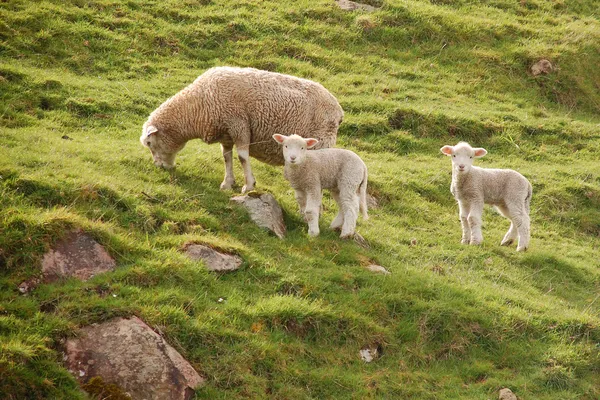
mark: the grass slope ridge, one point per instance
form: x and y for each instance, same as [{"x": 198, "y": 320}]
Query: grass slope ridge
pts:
[{"x": 77, "y": 80}]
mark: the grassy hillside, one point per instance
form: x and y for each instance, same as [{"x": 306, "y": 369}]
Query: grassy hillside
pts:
[{"x": 78, "y": 79}]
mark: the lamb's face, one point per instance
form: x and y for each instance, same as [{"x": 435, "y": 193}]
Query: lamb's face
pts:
[
  {"x": 163, "y": 156},
  {"x": 294, "y": 147},
  {"x": 462, "y": 156}
]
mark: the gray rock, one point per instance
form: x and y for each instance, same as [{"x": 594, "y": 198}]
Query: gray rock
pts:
[
  {"x": 129, "y": 354},
  {"x": 370, "y": 352},
  {"x": 77, "y": 255},
  {"x": 542, "y": 67},
  {"x": 506, "y": 394},
  {"x": 348, "y": 5},
  {"x": 378, "y": 269},
  {"x": 214, "y": 260},
  {"x": 264, "y": 211}
]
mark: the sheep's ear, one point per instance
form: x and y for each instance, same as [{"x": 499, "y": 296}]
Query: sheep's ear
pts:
[
  {"x": 150, "y": 129},
  {"x": 447, "y": 150},
  {"x": 279, "y": 138},
  {"x": 310, "y": 143},
  {"x": 480, "y": 152}
]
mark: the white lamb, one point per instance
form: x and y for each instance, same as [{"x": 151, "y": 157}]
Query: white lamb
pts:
[
  {"x": 242, "y": 107},
  {"x": 507, "y": 190},
  {"x": 309, "y": 172}
]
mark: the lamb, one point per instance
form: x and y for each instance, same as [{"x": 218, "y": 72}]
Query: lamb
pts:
[
  {"x": 242, "y": 107},
  {"x": 506, "y": 189},
  {"x": 339, "y": 170}
]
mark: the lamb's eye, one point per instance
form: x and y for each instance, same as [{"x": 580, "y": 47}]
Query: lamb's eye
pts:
[
  {"x": 286, "y": 146},
  {"x": 302, "y": 148},
  {"x": 454, "y": 155},
  {"x": 471, "y": 157}
]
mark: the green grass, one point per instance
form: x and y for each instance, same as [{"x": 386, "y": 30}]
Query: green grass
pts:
[{"x": 78, "y": 79}]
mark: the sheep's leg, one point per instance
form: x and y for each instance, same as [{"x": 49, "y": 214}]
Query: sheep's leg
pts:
[
  {"x": 244, "y": 157},
  {"x": 229, "y": 180},
  {"x": 474, "y": 220},
  {"x": 311, "y": 213},
  {"x": 464, "y": 223},
  {"x": 339, "y": 219},
  {"x": 301, "y": 199},
  {"x": 349, "y": 206},
  {"x": 519, "y": 225}
]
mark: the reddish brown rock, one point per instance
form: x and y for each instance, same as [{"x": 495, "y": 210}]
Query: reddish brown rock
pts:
[
  {"x": 213, "y": 260},
  {"x": 127, "y": 353},
  {"x": 264, "y": 211},
  {"x": 77, "y": 255}
]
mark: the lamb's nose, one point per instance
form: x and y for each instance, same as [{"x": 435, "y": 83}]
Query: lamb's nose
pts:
[
  {"x": 461, "y": 166},
  {"x": 292, "y": 158}
]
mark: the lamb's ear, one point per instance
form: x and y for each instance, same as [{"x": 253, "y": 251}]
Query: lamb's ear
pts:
[
  {"x": 480, "y": 152},
  {"x": 310, "y": 143},
  {"x": 150, "y": 129},
  {"x": 447, "y": 150},
  {"x": 279, "y": 138}
]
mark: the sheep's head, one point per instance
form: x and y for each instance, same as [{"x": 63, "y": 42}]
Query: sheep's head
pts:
[
  {"x": 162, "y": 152},
  {"x": 294, "y": 147},
  {"x": 462, "y": 155}
]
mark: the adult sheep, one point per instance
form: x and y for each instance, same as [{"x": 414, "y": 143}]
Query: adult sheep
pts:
[{"x": 244, "y": 107}]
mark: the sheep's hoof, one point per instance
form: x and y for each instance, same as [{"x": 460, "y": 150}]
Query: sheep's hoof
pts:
[
  {"x": 347, "y": 235},
  {"x": 465, "y": 241},
  {"x": 475, "y": 242},
  {"x": 507, "y": 242},
  {"x": 521, "y": 248},
  {"x": 313, "y": 233},
  {"x": 226, "y": 185},
  {"x": 247, "y": 188},
  {"x": 335, "y": 227}
]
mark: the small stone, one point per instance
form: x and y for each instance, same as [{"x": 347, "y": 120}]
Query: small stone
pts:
[
  {"x": 264, "y": 211},
  {"x": 214, "y": 260},
  {"x": 77, "y": 255},
  {"x": 370, "y": 352},
  {"x": 542, "y": 67},
  {"x": 413, "y": 242},
  {"x": 348, "y": 5},
  {"x": 506, "y": 394},
  {"x": 378, "y": 269}
]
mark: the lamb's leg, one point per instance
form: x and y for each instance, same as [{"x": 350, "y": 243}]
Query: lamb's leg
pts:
[
  {"x": 244, "y": 157},
  {"x": 524, "y": 233},
  {"x": 464, "y": 223},
  {"x": 311, "y": 214},
  {"x": 474, "y": 220},
  {"x": 301, "y": 199},
  {"x": 349, "y": 206},
  {"x": 512, "y": 233},
  {"x": 229, "y": 180},
  {"x": 339, "y": 219}
]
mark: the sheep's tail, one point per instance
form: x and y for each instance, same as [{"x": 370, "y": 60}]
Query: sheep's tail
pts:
[
  {"x": 528, "y": 198},
  {"x": 363, "y": 195}
]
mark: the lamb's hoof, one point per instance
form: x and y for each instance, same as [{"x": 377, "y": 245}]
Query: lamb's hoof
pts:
[
  {"x": 335, "y": 227},
  {"x": 507, "y": 242},
  {"x": 347, "y": 235},
  {"x": 465, "y": 241},
  {"x": 313, "y": 233},
  {"x": 521, "y": 248},
  {"x": 475, "y": 242},
  {"x": 226, "y": 185}
]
